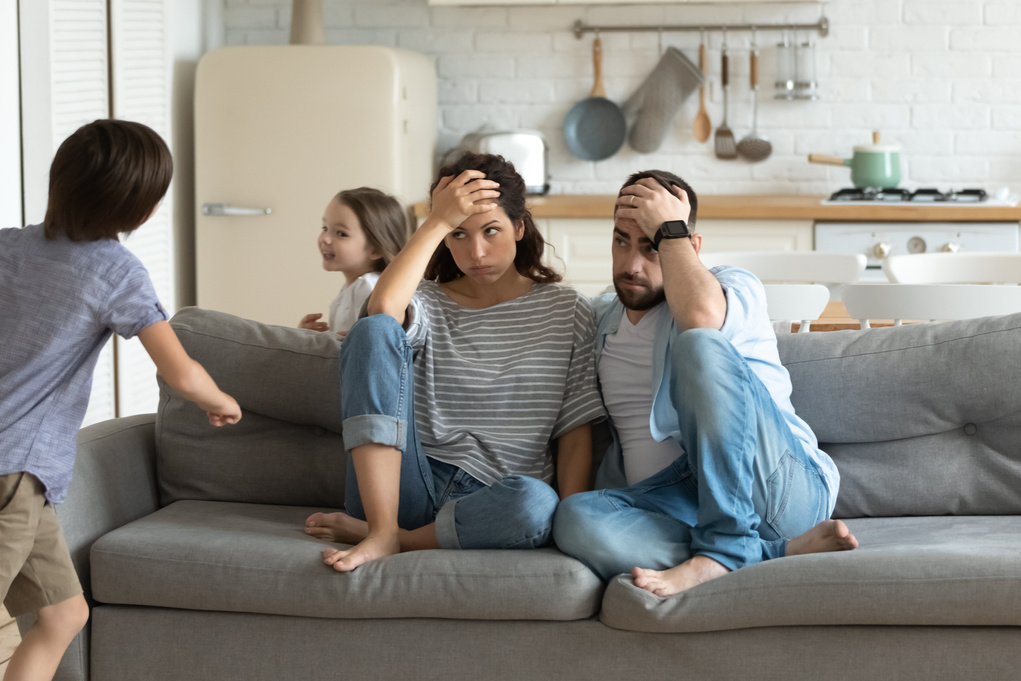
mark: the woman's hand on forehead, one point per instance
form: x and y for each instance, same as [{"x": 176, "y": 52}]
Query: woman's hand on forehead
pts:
[{"x": 457, "y": 198}]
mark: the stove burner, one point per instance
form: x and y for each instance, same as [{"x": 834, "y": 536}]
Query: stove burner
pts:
[
  {"x": 968, "y": 196},
  {"x": 923, "y": 195},
  {"x": 928, "y": 195}
]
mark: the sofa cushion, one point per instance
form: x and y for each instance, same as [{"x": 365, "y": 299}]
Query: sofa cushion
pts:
[
  {"x": 920, "y": 419},
  {"x": 932, "y": 571},
  {"x": 201, "y": 555},
  {"x": 287, "y": 448}
]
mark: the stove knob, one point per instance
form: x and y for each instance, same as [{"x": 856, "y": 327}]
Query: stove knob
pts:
[
  {"x": 950, "y": 247},
  {"x": 881, "y": 250}
]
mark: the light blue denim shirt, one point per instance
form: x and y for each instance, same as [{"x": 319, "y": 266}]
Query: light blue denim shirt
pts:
[
  {"x": 748, "y": 328},
  {"x": 59, "y": 303}
]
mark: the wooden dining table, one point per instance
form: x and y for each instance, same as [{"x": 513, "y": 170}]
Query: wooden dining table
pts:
[{"x": 835, "y": 318}]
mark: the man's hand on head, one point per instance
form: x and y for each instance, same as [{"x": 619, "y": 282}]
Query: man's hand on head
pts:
[{"x": 650, "y": 204}]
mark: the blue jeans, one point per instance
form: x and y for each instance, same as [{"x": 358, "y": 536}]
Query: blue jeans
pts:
[
  {"x": 377, "y": 404},
  {"x": 743, "y": 486}
]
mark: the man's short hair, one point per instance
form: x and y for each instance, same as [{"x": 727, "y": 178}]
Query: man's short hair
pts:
[
  {"x": 667, "y": 179},
  {"x": 106, "y": 178}
]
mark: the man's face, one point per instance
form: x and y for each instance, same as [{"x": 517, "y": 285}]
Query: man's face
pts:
[{"x": 637, "y": 275}]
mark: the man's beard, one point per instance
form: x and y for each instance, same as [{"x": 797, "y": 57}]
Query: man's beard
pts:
[{"x": 638, "y": 301}]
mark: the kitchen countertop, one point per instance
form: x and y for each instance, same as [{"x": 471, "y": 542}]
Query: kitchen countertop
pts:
[{"x": 768, "y": 207}]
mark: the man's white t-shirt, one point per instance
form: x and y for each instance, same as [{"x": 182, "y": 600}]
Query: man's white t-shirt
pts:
[
  {"x": 626, "y": 365},
  {"x": 346, "y": 307}
]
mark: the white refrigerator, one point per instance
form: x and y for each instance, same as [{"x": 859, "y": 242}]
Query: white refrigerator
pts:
[{"x": 278, "y": 132}]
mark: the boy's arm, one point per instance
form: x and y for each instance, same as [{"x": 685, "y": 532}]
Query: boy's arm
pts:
[
  {"x": 574, "y": 460},
  {"x": 187, "y": 376}
]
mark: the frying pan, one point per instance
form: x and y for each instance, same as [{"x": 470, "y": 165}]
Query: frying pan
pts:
[{"x": 595, "y": 127}]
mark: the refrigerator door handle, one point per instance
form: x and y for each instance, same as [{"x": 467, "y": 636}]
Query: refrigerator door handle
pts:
[{"x": 223, "y": 209}]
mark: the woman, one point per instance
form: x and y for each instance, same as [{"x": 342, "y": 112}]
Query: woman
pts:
[{"x": 454, "y": 387}]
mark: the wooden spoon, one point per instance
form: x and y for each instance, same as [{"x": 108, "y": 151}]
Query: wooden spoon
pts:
[{"x": 702, "y": 127}]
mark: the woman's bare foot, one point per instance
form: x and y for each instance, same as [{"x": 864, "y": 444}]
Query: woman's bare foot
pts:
[
  {"x": 829, "y": 535},
  {"x": 372, "y": 547},
  {"x": 691, "y": 572},
  {"x": 338, "y": 527}
]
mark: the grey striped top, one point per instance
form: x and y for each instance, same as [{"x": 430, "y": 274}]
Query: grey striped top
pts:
[{"x": 494, "y": 386}]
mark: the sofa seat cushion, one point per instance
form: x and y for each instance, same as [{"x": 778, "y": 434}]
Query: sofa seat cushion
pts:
[
  {"x": 204, "y": 555},
  {"x": 929, "y": 571}
]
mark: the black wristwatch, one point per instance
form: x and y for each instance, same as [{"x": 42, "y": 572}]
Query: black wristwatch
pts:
[{"x": 671, "y": 229}]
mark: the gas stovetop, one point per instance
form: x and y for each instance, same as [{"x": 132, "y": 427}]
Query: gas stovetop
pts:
[{"x": 926, "y": 196}]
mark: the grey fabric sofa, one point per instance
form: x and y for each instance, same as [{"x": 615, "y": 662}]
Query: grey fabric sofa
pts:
[{"x": 189, "y": 539}]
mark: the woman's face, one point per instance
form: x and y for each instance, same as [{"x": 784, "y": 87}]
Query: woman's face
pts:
[{"x": 484, "y": 245}]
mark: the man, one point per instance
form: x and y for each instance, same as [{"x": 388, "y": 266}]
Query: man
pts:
[{"x": 722, "y": 473}]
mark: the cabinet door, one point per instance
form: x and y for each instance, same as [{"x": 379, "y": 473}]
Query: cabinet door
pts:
[
  {"x": 581, "y": 252},
  {"x": 755, "y": 235}
]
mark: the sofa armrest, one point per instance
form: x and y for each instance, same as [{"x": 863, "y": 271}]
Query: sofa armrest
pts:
[{"x": 114, "y": 483}]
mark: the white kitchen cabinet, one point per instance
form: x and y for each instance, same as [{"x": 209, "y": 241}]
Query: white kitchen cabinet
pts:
[
  {"x": 756, "y": 235},
  {"x": 581, "y": 248},
  {"x": 495, "y": 3}
]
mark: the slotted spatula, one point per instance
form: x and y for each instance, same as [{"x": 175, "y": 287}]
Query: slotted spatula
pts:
[{"x": 724, "y": 140}]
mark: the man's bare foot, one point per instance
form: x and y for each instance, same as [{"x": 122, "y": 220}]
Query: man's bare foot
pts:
[
  {"x": 338, "y": 527},
  {"x": 829, "y": 535},
  {"x": 372, "y": 547},
  {"x": 691, "y": 572}
]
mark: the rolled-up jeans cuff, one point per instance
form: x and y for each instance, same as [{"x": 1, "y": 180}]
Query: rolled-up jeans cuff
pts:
[
  {"x": 375, "y": 428},
  {"x": 446, "y": 530}
]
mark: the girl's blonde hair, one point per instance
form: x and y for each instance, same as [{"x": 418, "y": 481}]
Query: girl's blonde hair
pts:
[{"x": 382, "y": 218}]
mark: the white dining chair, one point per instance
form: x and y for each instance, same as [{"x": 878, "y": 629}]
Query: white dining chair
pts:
[
  {"x": 932, "y": 302},
  {"x": 803, "y": 303},
  {"x": 794, "y": 274},
  {"x": 793, "y": 267},
  {"x": 954, "y": 268}
]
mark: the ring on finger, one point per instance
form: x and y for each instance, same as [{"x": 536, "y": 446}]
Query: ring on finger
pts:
[{"x": 632, "y": 200}]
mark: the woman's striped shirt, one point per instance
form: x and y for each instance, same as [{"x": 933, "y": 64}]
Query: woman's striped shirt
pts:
[{"x": 494, "y": 386}]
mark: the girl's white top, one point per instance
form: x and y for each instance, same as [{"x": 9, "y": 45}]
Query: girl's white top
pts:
[{"x": 349, "y": 302}]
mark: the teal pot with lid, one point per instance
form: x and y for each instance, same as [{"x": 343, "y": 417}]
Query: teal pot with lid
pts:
[{"x": 872, "y": 165}]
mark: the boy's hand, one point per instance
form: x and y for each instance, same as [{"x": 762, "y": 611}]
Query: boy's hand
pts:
[
  {"x": 226, "y": 413},
  {"x": 309, "y": 322}
]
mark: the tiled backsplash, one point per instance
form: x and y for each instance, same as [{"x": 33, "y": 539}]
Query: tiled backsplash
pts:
[{"x": 942, "y": 78}]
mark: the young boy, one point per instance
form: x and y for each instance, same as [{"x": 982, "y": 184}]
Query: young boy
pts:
[{"x": 65, "y": 286}]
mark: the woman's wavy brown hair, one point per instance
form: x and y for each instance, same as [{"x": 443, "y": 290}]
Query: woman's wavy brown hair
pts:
[{"x": 528, "y": 259}]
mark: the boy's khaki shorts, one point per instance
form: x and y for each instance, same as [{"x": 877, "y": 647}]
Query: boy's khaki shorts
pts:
[{"x": 35, "y": 564}]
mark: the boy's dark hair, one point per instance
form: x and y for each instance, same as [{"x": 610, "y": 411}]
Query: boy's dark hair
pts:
[
  {"x": 528, "y": 259},
  {"x": 382, "y": 219},
  {"x": 666, "y": 179},
  {"x": 106, "y": 178}
]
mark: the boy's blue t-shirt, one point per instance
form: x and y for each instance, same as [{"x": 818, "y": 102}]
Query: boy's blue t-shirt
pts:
[{"x": 59, "y": 302}]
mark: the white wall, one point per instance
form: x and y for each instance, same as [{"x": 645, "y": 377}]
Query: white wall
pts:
[
  {"x": 941, "y": 77},
  {"x": 196, "y": 26}
]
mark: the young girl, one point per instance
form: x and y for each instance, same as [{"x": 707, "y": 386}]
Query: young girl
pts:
[
  {"x": 455, "y": 387},
  {"x": 363, "y": 229},
  {"x": 65, "y": 286}
]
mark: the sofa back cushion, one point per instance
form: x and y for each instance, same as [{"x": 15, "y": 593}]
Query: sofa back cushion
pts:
[
  {"x": 922, "y": 419},
  {"x": 287, "y": 448}
]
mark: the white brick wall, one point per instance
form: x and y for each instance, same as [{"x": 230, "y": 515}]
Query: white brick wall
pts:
[{"x": 943, "y": 78}]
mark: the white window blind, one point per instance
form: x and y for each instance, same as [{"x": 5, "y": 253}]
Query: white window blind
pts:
[
  {"x": 64, "y": 84},
  {"x": 140, "y": 59},
  {"x": 10, "y": 118},
  {"x": 78, "y": 56}
]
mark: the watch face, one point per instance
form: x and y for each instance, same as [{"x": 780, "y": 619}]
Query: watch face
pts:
[{"x": 675, "y": 228}]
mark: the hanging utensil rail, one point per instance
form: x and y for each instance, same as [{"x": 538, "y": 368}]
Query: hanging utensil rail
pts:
[{"x": 822, "y": 26}]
